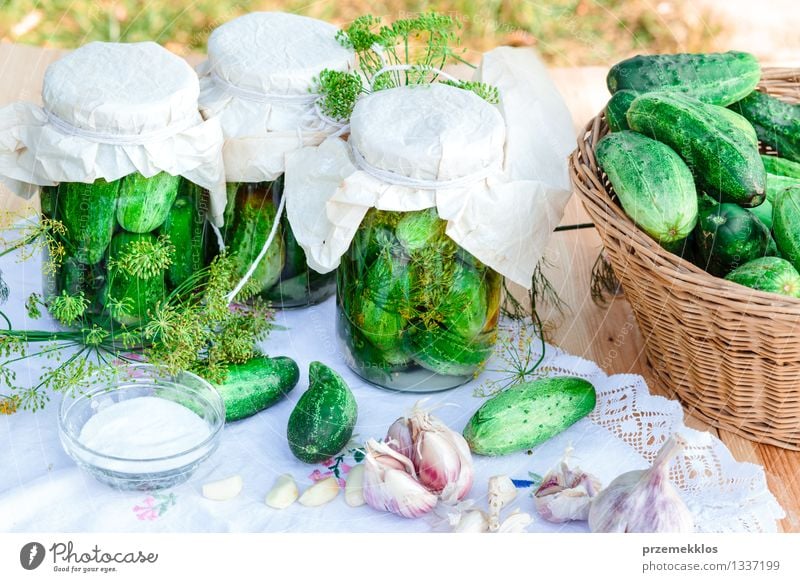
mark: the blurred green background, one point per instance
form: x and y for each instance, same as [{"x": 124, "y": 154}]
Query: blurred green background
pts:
[{"x": 566, "y": 32}]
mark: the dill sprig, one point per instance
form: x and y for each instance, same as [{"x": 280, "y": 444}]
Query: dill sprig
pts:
[
  {"x": 426, "y": 43},
  {"x": 144, "y": 258},
  {"x": 604, "y": 282}
]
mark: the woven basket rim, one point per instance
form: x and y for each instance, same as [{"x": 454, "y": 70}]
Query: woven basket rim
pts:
[{"x": 598, "y": 195}]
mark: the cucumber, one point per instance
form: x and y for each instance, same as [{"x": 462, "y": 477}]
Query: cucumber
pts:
[
  {"x": 653, "y": 184},
  {"x": 739, "y": 122},
  {"x": 87, "y": 212},
  {"x": 323, "y": 420},
  {"x": 771, "y": 274},
  {"x": 617, "y": 108},
  {"x": 448, "y": 353},
  {"x": 728, "y": 236},
  {"x": 256, "y": 385},
  {"x": 144, "y": 203},
  {"x": 764, "y": 213},
  {"x": 185, "y": 226},
  {"x": 724, "y": 160},
  {"x": 777, "y": 122},
  {"x": 776, "y": 184},
  {"x": 416, "y": 230},
  {"x": 250, "y": 231},
  {"x": 378, "y": 310},
  {"x": 526, "y": 415},
  {"x": 464, "y": 308},
  {"x": 716, "y": 78},
  {"x": 139, "y": 295},
  {"x": 781, "y": 167},
  {"x": 786, "y": 224}
]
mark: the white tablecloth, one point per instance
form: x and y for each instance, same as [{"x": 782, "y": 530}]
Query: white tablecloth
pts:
[{"x": 41, "y": 488}]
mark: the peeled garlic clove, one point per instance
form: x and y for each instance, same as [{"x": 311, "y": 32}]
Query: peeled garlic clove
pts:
[
  {"x": 502, "y": 491},
  {"x": 515, "y": 523},
  {"x": 283, "y": 493},
  {"x": 223, "y": 489},
  {"x": 354, "y": 488},
  {"x": 320, "y": 493},
  {"x": 390, "y": 483},
  {"x": 399, "y": 437},
  {"x": 566, "y": 494},
  {"x": 473, "y": 521},
  {"x": 643, "y": 501}
]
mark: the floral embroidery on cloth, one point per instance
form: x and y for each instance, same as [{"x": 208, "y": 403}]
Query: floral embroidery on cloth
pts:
[
  {"x": 337, "y": 466},
  {"x": 154, "y": 506}
]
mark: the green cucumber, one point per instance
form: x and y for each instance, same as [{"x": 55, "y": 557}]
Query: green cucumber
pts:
[
  {"x": 130, "y": 299},
  {"x": 416, "y": 230},
  {"x": 728, "y": 236},
  {"x": 653, "y": 184},
  {"x": 770, "y": 274},
  {"x": 323, "y": 420},
  {"x": 781, "y": 167},
  {"x": 776, "y": 184},
  {"x": 256, "y": 385},
  {"x": 87, "y": 212},
  {"x": 448, "y": 353},
  {"x": 76, "y": 277},
  {"x": 185, "y": 226},
  {"x": 724, "y": 160},
  {"x": 251, "y": 229},
  {"x": 617, "y": 108},
  {"x": 739, "y": 122},
  {"x": 528, "y": 414},
  {"x": 464, "y": 308},
  {"x": 716, "y": 78},
  {"x": 786, "y": 224},
  {"x": 144, "y": 203},
  {"x": 764, "y": 213},
  {"x": 777, "y": 122},
  {"x": 378, "y": 310}
]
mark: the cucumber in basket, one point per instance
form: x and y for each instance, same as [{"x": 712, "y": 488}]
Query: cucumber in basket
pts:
[
  {"x": 777, "y": 122},
  {"x": 786, "y": 224},
  {"x": 256, "y": 384},
  {"x": 771, "y": 274},
  {"x": 781, "y": 167},
  {"x": 716, "y": 78},
  {"x": 617, "y": 108},
  {"x": 528, "y": 414},
  {"x": 323, "y": 420},
  {"x": 721, "y": 154},
  {"x": 653, "y": 184},
  {"x": 728, "y": 236}
]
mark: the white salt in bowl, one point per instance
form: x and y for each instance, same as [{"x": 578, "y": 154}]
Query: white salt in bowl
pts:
[{"x": 140, "y": 428}]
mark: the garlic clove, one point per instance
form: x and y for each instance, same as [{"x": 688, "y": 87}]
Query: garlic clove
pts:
[
  {"x": 516, "y": 522},
  {"x": 283, "y": 493},
  {"x": 438, "y": 462},
  {"x": 320, "y": 493},
  {"x": 354, "y": 488},
  {"x": 566, "y": 494},
  {"x": 643, "y": 501},
  {"x": 473, "y": 521},
  {"x": 502, "y": 491},
  {"x": 399, "y": 437},
  {"x": 390, "y": 483},
  {"x": 224, "y": 489}
]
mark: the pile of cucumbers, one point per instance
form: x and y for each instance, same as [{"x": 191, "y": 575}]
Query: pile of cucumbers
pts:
[{"x": 685, "y": 159}]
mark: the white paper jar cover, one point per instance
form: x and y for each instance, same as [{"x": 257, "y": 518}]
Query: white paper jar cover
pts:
[
  {"x": 257, "y": 80},
  {"x": 110, "y": 110},
  {"x": 417, "y": 147}
]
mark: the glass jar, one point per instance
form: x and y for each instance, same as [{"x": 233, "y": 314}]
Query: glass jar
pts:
[
  {"x": 127, "y": 245},
  {"x": 283, "y": 276},
  {"x": 415, "y": 312}
]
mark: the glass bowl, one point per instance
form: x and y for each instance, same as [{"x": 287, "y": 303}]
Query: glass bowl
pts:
[{"x": 140, "y": 470}]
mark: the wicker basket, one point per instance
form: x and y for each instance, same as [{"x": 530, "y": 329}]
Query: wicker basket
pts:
[{"x": 729, "y": 353}]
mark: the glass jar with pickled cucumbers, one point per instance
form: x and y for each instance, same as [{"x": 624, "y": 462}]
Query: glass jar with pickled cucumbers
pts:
[
  {"x": 127, "y": 245},
  {"x": 282, "y": 277},
  {"x": 415, "y": 312}
]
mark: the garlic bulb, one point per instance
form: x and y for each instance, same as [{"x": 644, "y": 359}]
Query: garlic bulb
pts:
[
  {"x": 566, "y": 494},
  {"x": 390, "y": 483},
  {"x": 643, "y": 501},
  {"x": 441, "y": 456}
]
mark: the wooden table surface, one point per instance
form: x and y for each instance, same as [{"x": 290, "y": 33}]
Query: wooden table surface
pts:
[{"x": 607, "y": 335}]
